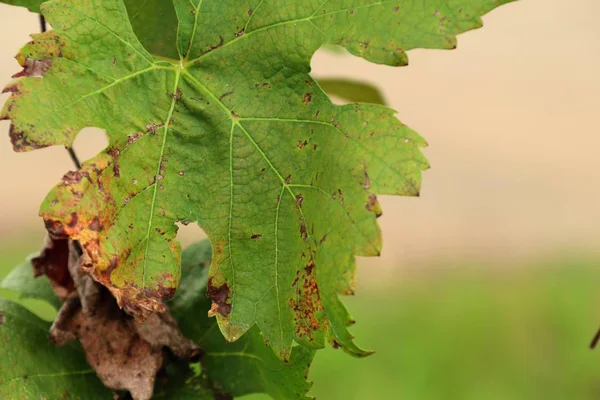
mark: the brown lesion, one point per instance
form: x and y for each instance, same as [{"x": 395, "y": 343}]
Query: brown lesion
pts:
[
  {"x": 220, "y": 296},
  {"x": 83, "y": 209},
  {"x": 373, "y": 206},
  {"x": 307, "y": 304}
]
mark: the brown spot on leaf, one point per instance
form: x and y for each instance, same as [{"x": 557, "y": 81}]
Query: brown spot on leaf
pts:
[
  {"x": 153, "y": 127},
  {"x": 74, "y": 220},
  {"x": 220, "y": 297},
  {"x": 11, "y": 88},
  {"x": 256, "y": 236},
  {"x": 214, "y": 47},
  {"x": 307, "y": 98},
  {"x": 367, "y": 182},
  {"x": 177, "y": 95},
  {"x": 299, "y": 200},
  {"x": 226, "y": 94},
  {"x": 73, "y": 177},
  {"x": 307, "y": 302},
  {"x": 1, "y": 317},
  {"x": 303, "y": 231},
  {"x": 301, "y": 144},
  {"x": 308, "y": 268},
  {"x": 373, "y": 206},
  {"x": 95, "y": 225},
  {"x": 34, "y": 68},
  {"x": 114, "y": 153},
  {"x": 20, "y": 142},
  {"x": 338, "y": 195},
  {"x": 134, "y": 137}
]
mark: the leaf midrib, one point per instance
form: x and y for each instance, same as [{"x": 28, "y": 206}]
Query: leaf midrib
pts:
[{"x": 156, "y": 185}]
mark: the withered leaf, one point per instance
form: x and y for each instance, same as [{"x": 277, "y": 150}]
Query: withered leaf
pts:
[{"x": 126, "y": 353}]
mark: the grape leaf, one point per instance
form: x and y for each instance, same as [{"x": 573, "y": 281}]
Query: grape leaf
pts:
[
  {"x": 22, "y": 281},
  {"x": 182, "y": 384},
  {"x": 236, "y": 136},
  {"x": 145, "y": 16},
  {"x": 31, "y": 5},
  {"x": 31, "y": 367},
  {"x": 240, "y": 368}
]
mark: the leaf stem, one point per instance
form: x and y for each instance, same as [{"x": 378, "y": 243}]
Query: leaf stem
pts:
[{"x": 43, "y": 27}]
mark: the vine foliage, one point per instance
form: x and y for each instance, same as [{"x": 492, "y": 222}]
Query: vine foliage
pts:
[{"x": 213, "y": 118}]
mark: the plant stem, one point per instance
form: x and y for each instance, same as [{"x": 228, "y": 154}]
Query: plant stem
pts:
[{"x": 42, "y": 23}]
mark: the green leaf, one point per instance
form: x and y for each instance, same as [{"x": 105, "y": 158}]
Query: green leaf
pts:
[
  {"x": 31, "y": 367},
  {"x": 31, "y": 5},
  {"x": 153, "y": 21},
  {"x": 240, "y": 368},
  {"x": 155, "y": 24},
  {"x": 236, "y": 136},
  {"x": 353, "y": 91},
  {"x": 190, "y": 388},
  {"x": 22, "y": 281}
]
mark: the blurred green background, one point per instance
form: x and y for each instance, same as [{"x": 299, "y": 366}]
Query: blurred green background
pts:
[
  {"x": 487, "y": 284},
  {"x": 461, "y": 333}
]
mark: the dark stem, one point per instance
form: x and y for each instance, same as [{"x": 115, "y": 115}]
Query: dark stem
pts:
[
  {"x": 74, "y": 157},
  {"x": 42, "y": 23}
]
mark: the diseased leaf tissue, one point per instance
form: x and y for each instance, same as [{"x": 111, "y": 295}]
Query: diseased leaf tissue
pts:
[{"x": 231, "y": 133}]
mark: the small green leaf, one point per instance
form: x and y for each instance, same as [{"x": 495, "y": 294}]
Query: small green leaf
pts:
[
  {"x": 352, "y": 91},
  {"x": 31, "y": 367},
  {"x": 155, "y": 24},
  {"x": 246, "y": 366},
  {"x": 22, "y": 281},
  {"x": 31, "y": 5},
  {"x": 186, "y": 382}
]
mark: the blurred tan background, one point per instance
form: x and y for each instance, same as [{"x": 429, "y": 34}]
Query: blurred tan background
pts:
[
  {"x": 510, "y": 116},
  {"x": 487, "y": 285}
]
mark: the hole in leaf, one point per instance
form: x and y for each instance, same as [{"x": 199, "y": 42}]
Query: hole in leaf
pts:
[
  {"x": 189, "y": 234},
  {"x": 89, "y": 142}
]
